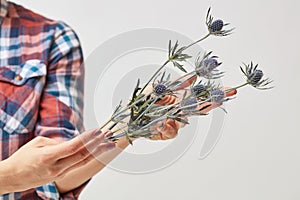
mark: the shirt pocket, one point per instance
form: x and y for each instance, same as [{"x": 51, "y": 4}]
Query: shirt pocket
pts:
[{"x": 21, "y": 87}]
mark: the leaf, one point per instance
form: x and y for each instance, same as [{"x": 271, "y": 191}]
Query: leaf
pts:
[
  {"x": 170, "y": 47},
  {"x": 207, "y": 15},
  {"x": 128, "y": 138},
  {"x": 168, "y": 77},
  {"x": 163, "y": 76},
  {"x": 184, "y": 94},
  {"x": 243, "y": 71},
  {"x": 177, "y": 112},
  {"x": 179, "y": 66},
  {"x": 121, "y": 117},
  {"x": 140, "y": 96},
  {"x": 175, "y": 47},
  {"x": 255, "y": 67},
  {"x": 117, "y": 108},
  {"x": 180, "y": 50},
  {"x": 199, "y": 114},
  {"x": 204, "y": 107},
  {"x": 136, "y": 89},
  {"x": 132, "y": 117},
  {"x": 181, "y": 120}
]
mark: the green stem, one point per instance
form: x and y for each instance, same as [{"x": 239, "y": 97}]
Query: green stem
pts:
[
  {"x": 119, "y": 129},
  {"x": 237, "y": 87},
  {"x": 154, "y": 76},
  {"x": 105, "y": 124},
  {"x": 170, "y": 59},
  {"x": 206, "y": 36}
]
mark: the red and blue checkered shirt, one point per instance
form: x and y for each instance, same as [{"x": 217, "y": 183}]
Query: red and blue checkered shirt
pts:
[{"x": 41, "y": 86}]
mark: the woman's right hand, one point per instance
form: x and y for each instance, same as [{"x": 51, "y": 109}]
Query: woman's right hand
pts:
[{"x": 42, "y": 160}]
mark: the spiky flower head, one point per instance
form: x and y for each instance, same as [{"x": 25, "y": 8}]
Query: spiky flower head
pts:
[
  {"x": 161, "y": 83},
  {"x": 217, "y": 96},
  {"x": 216, "y": 27},
  {"x": 211, "y": 63},
  {"x": 255, "y": 76},
  {"x": 160, "y": 89},
  {"x": 198, "y": 89},
  {"x": 207, "y": 66}
]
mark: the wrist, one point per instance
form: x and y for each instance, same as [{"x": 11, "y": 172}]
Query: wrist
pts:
[
  {"x": 122, "y": 143},
  {"x": 6, "y": 174}
]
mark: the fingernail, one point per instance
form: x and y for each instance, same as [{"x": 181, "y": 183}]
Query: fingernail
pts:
[
  {"x": 108, "y": 134},
  {"x": 97, "y": 132}
]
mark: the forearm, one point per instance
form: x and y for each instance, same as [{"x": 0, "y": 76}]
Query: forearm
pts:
[
  {"x": 80, "y": 175},
  {"x": 6, "y": 178}
]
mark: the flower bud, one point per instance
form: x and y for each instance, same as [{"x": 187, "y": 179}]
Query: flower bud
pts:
[
  {"x": 216, "y": 26},
  {"x": 255, "y": 77},
  {"x": 160, "y": 89},
  {"x": 217, "y": 96},
  {"x": 198, "y": 89}
]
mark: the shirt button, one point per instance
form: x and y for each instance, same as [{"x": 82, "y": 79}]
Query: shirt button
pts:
[{"x": 18, "y": 77}]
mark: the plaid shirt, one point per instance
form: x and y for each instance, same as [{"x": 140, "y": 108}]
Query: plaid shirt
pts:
[{"x": 41, "y": 86}]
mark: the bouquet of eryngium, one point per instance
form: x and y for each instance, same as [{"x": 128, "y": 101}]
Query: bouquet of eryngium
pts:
[{"x": 192, "y": 91}]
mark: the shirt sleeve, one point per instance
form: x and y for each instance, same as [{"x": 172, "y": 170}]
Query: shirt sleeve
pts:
[{"x": 61, "y": 104}]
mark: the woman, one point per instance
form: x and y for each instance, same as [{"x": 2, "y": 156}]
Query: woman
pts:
[{"x": 42, "y": 153}]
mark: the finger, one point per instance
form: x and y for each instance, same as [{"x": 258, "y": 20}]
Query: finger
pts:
[
  {"x": 186, "y": 82},
  {"x": 84, "y": 151},
  {"x": 167, "y": 100},
  {"x": 230, "y": 92},
  {"x": 156, "y": 136},
  {"x": 155, "y": 131},
  {"x": 70, "y": 147},
  {"x": 207, "y": 107},
  {"x": 169, "y": 129},
  {"x": 100, "y": 149}
]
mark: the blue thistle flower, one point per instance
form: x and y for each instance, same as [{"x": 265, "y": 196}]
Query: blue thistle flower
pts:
[
  {"x": 211, "y": 63},
  {"x": 216, "y": 26},
  {"x": 207, "y": 67},
  {"x": 160, "y": 89},
  {"x": 198, "y": 89},
  {"x": 255, "y": 77},
  {"x": 217, "y": 95}
]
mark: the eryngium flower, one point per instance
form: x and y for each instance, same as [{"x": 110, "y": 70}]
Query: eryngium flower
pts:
[
  {"x": 255, "y": 76},
  {"x": 216, "y": 26},
  {"x": 211, "y": 63},
  {"x": 207, "y": 67},
  {"x": 160, "y": 89},
  {"x": 198, "y": 89},
  {"x": 217, "y": 96}
]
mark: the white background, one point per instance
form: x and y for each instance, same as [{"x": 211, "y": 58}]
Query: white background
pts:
[{"x": 258, "y": 156}]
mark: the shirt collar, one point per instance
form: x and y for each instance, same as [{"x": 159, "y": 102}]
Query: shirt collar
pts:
[{"x": 3, "y": 9}]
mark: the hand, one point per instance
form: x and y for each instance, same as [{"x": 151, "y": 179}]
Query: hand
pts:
[
  {"x": 169, "y": 129},
  {"x": 42, "y": 160}
]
